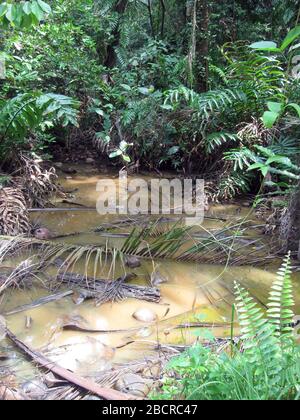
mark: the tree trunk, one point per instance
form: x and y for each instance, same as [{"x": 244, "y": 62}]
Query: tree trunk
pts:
[
  {"x": 199, "y": 48},
  {"x": 202, "y": 49},
  {"x": 111, "y": 56},
  {"x": 163, "y": 18},
  {"x": 290, "y": 224}
]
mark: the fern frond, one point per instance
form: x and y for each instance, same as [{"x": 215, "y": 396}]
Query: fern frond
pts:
[
  {"x": 27, "y": 112},
  {"x": 259, "y": 341},
  {"x": 206, "y": 103},
  {"x": 242, "y": 158},
  {"x": 281, "y": 301},
  {"x": 215, "y": 140}
]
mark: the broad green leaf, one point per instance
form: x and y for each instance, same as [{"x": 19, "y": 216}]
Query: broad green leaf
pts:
[
  {"x": 44, "y": 6},
  {"x": 265, "y": 170},
  {"x": 126, "y": 87},
  {"x": 37, "y": 11},
  {"x": 279, "y": 159},
  {"x": 3, "y": 9},
  {"x": 99, "y": 112},
  {"x": 275, "y": 107},
  {"x": 126, "y": 158},
  {"x": 270, "y": 118},
  {"x": 10, "y": 14},
  {"x": 27, "y": 8},
  {"x": 18, "y": 14},
  {"x": 265, "y": 46},
  {"x": 116, "y": 153},
  {"x": 256, "y": 166},
  {"x": 290, "y": 38}
]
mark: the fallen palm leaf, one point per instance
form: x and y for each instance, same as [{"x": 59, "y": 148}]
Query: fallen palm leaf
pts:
[
  {"x": 14, "y": 218},
  {"x": 19, "y": 276},
  {"x": 108, "y": 291}
]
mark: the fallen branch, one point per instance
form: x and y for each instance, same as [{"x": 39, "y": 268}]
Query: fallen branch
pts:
[
  {"x": 90, "y": 386},
  {"x": 107, "y": 291}
]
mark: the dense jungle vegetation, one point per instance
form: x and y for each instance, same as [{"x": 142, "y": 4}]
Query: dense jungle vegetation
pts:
[
  {"x": 157, "y": 85},
  {"x": 201, "y": 88}
]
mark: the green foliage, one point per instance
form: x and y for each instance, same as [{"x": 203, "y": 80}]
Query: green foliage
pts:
[
  {"x": 273, "y": 47},
  {"x": 23, "y": 14},
  {"x": 28, "y": 112},
  {"x": 142, "y": 109},
  {"x": 59, "y": 56},
  {"x": 280, "y": 303},
  {"x": 4, "y": 179},
  {"x": 267, "y": 366}
]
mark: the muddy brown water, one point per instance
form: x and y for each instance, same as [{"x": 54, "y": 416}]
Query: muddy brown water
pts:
[{"x": 193, "y": 293}]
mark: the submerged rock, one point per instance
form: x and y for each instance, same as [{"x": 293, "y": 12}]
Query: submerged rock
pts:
[
  {"x": 145, "y": 315},
  {"x": 133, "y": 262},
  {"x": 69, "y": 171},
  {"x": 42, "y": 234},
  {"x": 134, "y": 384}
]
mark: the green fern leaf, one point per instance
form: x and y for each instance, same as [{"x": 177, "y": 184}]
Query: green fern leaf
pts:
[{"x": 281, "y": 301}]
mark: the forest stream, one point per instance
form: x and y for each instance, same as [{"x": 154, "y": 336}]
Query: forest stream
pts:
[{"x": 191, "y": 294}]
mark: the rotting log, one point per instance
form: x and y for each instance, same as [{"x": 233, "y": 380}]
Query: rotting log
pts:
[
  {"x": 73, "y": 378},
  {"x": 107, "y": 291}
]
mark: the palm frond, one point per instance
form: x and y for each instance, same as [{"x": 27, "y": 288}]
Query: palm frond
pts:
[
  {"x": 14, "y": 218},
  {"x": 215, "y": 140}
]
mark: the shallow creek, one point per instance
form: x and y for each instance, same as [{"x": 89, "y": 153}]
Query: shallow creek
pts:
[{"x": 193, "y": 293}]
